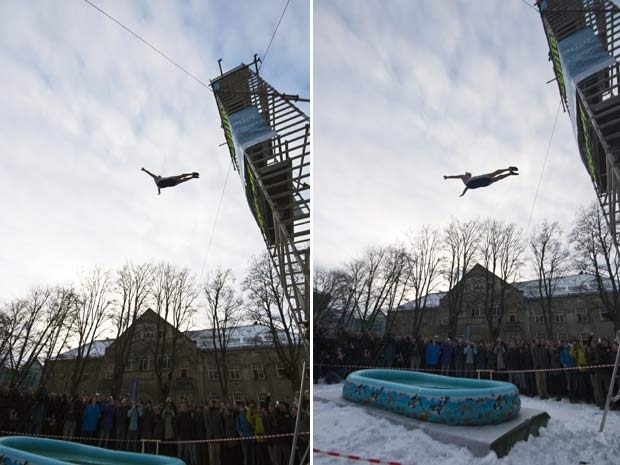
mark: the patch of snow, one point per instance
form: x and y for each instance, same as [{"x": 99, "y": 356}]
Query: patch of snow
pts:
[{"x": 570, "y": 438}]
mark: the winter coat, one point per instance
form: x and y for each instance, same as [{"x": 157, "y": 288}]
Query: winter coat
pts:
[
  {"x": 446, "y": 353},
  {"x": 470, "y": 352},
  {"x": 566, "y": 359},
  {"x": 108, "y": 414},
  {"x": 432, "y": 354},
  {"x": 90, "y": 417},
  {"x": 214, "y": 423},
  {"x": 243, "y": 426}
]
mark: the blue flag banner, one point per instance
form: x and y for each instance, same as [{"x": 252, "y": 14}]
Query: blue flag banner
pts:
[
  {"x": 248, "y": 128},
  {"x": 134, "y": 389},
  {"x": 582, "y": 54}
]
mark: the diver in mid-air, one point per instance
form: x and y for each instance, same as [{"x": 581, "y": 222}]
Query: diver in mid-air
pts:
[
  {"x": 484, "y": 180},
  {"x": 170, "y": 181}
]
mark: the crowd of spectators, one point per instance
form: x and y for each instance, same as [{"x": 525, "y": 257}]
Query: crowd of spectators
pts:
[
  {"x": 123, "y": 424},
  {"x": 577, "y": 370}
]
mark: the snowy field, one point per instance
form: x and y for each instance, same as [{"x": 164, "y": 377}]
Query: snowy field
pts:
[{"x": 570, "y": 438}]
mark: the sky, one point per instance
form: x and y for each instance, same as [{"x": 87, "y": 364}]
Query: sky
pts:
[
  {"x": 84, "y": 105},
  {"x": 406, "y": 92}
]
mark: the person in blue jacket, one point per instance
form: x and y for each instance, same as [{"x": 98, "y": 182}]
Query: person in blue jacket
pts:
[
  {"x": 432, "y": 354},
  {"x": 90, "y": 418},
  {"x": 568, "y": 361},
  {"x": 245, "y": 430}
]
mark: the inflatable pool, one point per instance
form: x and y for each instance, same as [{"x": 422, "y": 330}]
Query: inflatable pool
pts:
[
  {"x": 434, "y": 398},
  {"x": 24, "y": 450}
]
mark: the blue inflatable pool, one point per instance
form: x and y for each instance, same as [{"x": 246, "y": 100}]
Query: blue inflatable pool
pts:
[
  {"x": 24, "y": 450},
  {"x": 434, "y": 398}
]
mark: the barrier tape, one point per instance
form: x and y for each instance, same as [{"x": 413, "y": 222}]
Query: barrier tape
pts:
[
  {"x": 160, "y": 441},
  {"x": 583, "y": 368},
  {"x": 353, "y": 457}
]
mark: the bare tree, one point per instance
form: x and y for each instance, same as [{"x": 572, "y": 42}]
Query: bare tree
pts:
[
  {"x": 594, "y": 253},
  {"x": 501, "y": 248},
  {"x": 425, "y": 261},
  {"x": 460, "y": 247},
  {"x": 174, "y": 296},
  {"x": 269, "y": 307},
  {"x": 57, "y": 323},
  {"x": 93, "y": 301},
  {"x": 550, "y": 260},
  {"x": 132, "y": 289},
  {"x": 375, "y": 281},
  {"x": 223, "y": 315}
]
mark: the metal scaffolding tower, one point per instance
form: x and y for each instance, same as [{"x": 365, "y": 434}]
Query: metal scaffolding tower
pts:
[
  {"x": 269, "y": 142},
  {"x": 584, "y": 45}
]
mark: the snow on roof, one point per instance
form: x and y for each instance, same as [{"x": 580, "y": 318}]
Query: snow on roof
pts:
[
  {"x": 241, "y": 336},
  {"x": 565, "y": 285},
  {"x": 97, "y": 350},
  {"x": 432, "y": 301}
]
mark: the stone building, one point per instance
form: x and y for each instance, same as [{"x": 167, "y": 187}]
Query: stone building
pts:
[
  {"x": 577, "y": 310},
  {"x": 187, "y": 368}
]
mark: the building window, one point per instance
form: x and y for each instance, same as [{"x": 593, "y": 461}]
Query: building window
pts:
[
  {"x": 444, "y": 322},
  {"x": 214, "y": 396},
  {"x": 512, "y": 318},
  {"x": 61, "y": 378},
  {"x": 496, "y": 309},
  {"x": 584, "y": 337},
  {"x": 146, "y": 364},
  {"x": 109, "y": 374},
  {"x": 476, "y": 311},
  {"x": 540, "y": 336},
  {"x": 234, "y": 374},
  {"x": 166, "y": 362},
  {"x": 477, "y": 286},
  {"x": 212, "y": 374},
  {"x": 131, "y": 365},
  {"x": 603, "y": 313},
  {"x": 279, "y": 370},
  {"x": 559, "y": 317},
  {"x": 85, "y": 376},
  {"x": 539, "y": 318},
  {"x": 262, "y": 396},
  {"x": 581, "y": 315},
  {"x": 237, "y": 396},
  {"x": 258, "y": 371},
  {"x": 148, "y": 334},
  {"x": 562, "y": 336}
]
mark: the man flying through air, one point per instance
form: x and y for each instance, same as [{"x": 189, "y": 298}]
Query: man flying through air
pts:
[
  {"x": 484, "y": 180},
  {"x": 170, "y": 181}
]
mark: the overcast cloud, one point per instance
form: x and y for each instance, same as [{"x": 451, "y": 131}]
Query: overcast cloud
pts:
[
  {"x": 405, "y": 92},
  {"x": 84, "y": 105}
]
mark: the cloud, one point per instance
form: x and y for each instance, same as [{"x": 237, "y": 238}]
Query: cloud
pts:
[
  {"x": 406, "y": 92},
  {"x": 85, "y": 105}
]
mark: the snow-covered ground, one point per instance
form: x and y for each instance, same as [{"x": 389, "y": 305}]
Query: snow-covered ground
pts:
[{"x": 570, "y": 438}]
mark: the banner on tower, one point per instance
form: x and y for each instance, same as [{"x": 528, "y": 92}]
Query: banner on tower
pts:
[{"x": 248, "y": 128}]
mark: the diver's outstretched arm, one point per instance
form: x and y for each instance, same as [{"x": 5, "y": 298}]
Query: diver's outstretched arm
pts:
[
  {"x": 149, "y": 173},
  {"x": 458, "y": 176}
]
